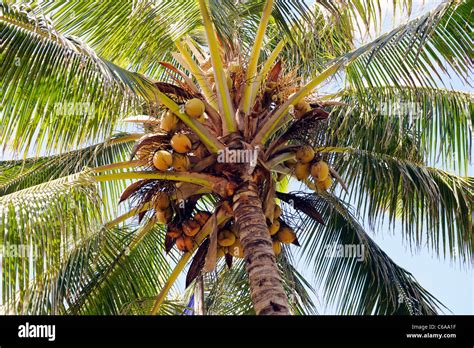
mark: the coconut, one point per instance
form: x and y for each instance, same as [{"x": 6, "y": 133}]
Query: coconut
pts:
[
  {"x": 305, "y": 154},
  {"x": 276, "y": 212},
  {"x": 276, "y": 247},
  {"x": 225, "y": 238},
  {"x": 286, "y": 235},
  {"x": 162, "y": 160},
  {"x": 181, "y": 162},
  {"x": 274, "y": 227},
  {"x": 173, "y": 232},
  {"x": 169, "y": 121},
  {"x": 325, "y": 184},
  {"x": 302, "y": 105},
  {"x": 191, "y": 228},
  {"x": 201, "y": 217},
  {"x": 184, "y": 243},
  {"x": 180, "y": 143},
  {"x": 236, "y": 249},
  {"x": 320, "y": 171},
  {"x": 201, "y": 119},
  {"x": 234, "y": 67},
  {"x": 220, "y": 252},
  {"x": 302, "y": 170},
  {"x": 194, "y": 107}
]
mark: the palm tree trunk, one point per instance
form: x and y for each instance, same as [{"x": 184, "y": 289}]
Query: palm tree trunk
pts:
[
  {"x": 266, "y": 289},
  {"x": 199, "y": 308}
]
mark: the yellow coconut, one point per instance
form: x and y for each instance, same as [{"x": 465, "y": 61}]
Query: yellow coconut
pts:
[
  {"x": 162, "y": 160},
  {"x": 320, "y": 171},
  {"x": 325, "y": 184},
  {"x": 302, "y": 105},
  {"x": 276, "y": 247},
  {"x": 201, "y": 119},
  {"x": 274, "y": 227},
  {"x": 286, "y": 235},
  {"x": 169, "y": 121},
  {"x": 234, "y": 67},
  {"x": 305, "y": 154},
  {"x": 226, "y": 238},
  {"x": 191, "y": 228},
  {"x": 194, "y": 107},
  {"x": 180, "y": 143},
  {"x": 236, "y": 249},
  {"x": 302, "y": 170},
  {"x": 181, "y": 162},
  {"x": 276, "y": 212}
]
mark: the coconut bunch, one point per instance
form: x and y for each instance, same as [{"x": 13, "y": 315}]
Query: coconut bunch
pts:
[
  {"x": 182, "y": 235},
  {"x": 309, "y": 168}
]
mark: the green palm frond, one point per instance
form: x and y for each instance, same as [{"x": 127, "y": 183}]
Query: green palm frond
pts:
[
  {"x": 98, "y": 275},
  {"x": 17, "y": 175},
  {"x": 371, "y": 284},
  {"x": 56, "y": 92},
  {"x": 439, "y": 121},
  {"x": 414, "y": 53},
  {"x": 38, "y": 224},
  {"x": 421, "y": 197},
  {"x": 120, "y": 274},
  {"x": 129, "y": 37}
]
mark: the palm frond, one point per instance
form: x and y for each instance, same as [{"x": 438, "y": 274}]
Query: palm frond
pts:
[
  {"x": 38, "y": 224},
  {"x": 440, "y": 120},
  {"x": 98, "y": 274},
  {"x": 228, "y": 290},
  {"x": 120, "y": 274},
  {"x": 415, "y": 53},
  {"x": 368, "y": 282},
  {"x": 57, "y": 93},
  {"x": 20, "y": 174},
  {"x": 421, "y": 197}
]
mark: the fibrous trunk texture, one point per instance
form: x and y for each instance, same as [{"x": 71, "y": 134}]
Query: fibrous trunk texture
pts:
[
  {"x": 266, "y": 289},
  {"x": 199, "y": 308}
]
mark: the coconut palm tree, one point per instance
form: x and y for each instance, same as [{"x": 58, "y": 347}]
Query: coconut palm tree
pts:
[{"x": 226, "y": 105}]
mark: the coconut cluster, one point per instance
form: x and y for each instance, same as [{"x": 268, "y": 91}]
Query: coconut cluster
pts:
[
  {"x": 280, "y": 232},
  {"x": 307, "y": 168},
  {"x": 176, "y": 156},
  {"x": 183, "y": 235}
]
